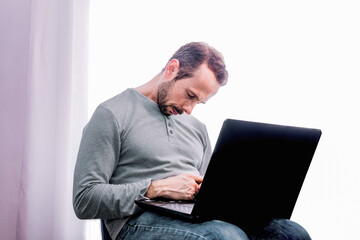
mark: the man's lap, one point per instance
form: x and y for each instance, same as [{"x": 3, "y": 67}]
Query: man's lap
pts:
[{"x": 150, "y": 225}]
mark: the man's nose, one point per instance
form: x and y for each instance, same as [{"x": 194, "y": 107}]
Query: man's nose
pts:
[{"x": 189, "y": 107}]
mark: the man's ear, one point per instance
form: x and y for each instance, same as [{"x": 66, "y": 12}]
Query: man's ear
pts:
[{"x": 172, "y": 68}]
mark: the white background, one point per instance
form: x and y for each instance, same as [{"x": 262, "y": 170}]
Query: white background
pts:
[{"x": 294, "y": 63}]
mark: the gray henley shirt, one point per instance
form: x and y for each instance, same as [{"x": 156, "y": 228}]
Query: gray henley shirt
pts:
[{"x": 126, "y": 144}]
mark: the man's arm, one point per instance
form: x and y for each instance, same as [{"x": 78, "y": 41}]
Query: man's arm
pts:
[{"x": 93, "y": 196}]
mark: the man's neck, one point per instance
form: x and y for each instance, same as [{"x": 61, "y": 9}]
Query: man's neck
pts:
[{"x": 150, "y": 88}]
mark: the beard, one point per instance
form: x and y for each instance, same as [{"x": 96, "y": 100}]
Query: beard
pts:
[{"x": 163, "y": 97}]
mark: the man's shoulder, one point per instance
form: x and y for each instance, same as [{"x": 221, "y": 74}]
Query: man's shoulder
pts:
[
  {"x": 128, "y": 106},
  {"x": 121, "y": 98},
  {"x": 117, "y": 105}
]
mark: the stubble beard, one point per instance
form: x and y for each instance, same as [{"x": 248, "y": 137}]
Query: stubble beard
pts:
[{"x": 162, "y": 97}]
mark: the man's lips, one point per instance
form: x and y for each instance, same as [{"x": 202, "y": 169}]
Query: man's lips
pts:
[{"x": 174, "y": 111}]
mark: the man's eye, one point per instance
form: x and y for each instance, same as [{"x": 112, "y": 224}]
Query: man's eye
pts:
[{"x": 191, "y": 96}]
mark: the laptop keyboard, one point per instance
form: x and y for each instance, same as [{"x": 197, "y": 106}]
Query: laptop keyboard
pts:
[{"x": 179, "y": 206}]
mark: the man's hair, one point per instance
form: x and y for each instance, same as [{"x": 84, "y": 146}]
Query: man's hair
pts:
[{"x": 192, "y": 55}]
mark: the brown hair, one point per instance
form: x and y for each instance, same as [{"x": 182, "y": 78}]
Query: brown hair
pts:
[{"x": 192, "y": 55}]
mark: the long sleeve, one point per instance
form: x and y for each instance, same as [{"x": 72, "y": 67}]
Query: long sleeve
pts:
[{"x": 99, "y": 153}]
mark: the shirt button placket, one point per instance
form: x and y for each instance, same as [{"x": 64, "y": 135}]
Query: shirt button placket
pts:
[{"x": 170, "y": 129}]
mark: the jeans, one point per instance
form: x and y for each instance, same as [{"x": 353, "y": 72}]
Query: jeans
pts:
[{"x": 150, "y": 225}]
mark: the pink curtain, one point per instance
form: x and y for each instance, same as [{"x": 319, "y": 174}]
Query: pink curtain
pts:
[{"x": 43, "y": 108}]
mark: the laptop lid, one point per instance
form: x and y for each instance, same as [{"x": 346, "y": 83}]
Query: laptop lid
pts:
[{"x": 255, "y": 174}]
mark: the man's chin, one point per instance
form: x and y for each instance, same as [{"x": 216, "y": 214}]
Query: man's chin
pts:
[
  {"x": 170, "y": 110},
  {"x": 164, "y": 110}
]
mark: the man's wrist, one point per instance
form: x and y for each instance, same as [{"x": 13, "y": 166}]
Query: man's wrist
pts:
[{"x": 153, "y": 190}]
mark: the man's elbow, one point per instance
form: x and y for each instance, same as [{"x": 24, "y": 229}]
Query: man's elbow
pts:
[
  {"x": 80, "y": 214},
  {"x": 80, "y": 209}
]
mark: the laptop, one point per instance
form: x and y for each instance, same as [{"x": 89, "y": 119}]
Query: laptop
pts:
[{"x": 255, "y": 174}]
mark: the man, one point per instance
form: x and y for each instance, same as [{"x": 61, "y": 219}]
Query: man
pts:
[{"x": 140, "y": 144}]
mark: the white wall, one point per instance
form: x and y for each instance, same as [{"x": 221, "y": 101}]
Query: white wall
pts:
[{"x": 290, "y": 62}]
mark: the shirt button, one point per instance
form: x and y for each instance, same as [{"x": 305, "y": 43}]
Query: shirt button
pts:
[
  {"x": 169, "y": 124},
  {"x": 171, "y": 131}
]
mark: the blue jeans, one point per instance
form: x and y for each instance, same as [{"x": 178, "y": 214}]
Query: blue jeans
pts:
[{"x": 150, "y": 225}]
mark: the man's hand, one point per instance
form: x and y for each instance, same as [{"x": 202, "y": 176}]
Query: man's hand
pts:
[{"x": 180, "y": 187}]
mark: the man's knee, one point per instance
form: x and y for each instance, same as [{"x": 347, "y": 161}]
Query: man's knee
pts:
[
  {"x": 292, "y": 230},
  {"x": 225, "y": 231},
  {"x": 282, "y": 229}
]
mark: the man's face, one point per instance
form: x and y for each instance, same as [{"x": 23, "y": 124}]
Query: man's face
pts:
[{"x": 176, "y": 97}]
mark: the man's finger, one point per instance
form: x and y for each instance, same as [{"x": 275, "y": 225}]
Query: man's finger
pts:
[{"x": 198, "y": 179}]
